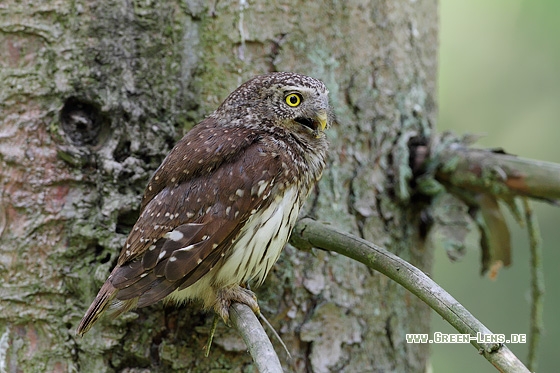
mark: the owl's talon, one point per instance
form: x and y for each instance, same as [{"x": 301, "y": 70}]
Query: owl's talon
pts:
[{"x": 227, "y": 296}]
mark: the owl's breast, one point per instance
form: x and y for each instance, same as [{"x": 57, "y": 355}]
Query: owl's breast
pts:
[{"x": 261, "y": 240}]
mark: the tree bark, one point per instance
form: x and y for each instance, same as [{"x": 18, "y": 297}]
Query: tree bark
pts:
[{"x": 95, "y": 93}]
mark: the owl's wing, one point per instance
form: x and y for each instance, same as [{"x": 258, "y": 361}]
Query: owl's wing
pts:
[
  {"x": 201, "y": 151},
  {"x": 188, "y": 225},
  {"x": 194, "y": 206}
]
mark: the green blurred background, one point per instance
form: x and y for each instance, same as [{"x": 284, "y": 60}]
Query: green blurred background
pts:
[{"x": 500, "y": 77}]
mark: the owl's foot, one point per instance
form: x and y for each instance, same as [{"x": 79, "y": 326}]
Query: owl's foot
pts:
[
  {"x": 224, "y": 298},
  {"x": 229, "y": 295}
]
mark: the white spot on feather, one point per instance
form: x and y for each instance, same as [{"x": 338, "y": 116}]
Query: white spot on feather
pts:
[
  {"x": 174, "y": 235},
  {"x": 259, "y": 188},
  {"x": 187, "y": 248}
]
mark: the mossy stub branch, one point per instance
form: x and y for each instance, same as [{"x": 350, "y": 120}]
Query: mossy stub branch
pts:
[{"x": 502, "y": 175}]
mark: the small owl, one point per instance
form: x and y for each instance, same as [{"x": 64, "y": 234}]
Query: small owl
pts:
[{"x": 220, "y": 208}]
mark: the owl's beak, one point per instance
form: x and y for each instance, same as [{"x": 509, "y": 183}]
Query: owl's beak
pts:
[
  {"x": 316, "y": 124},
  {"x": 322, "y": 119}
]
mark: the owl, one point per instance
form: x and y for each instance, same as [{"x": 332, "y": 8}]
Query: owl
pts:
[{"x": 219, "y": 209}]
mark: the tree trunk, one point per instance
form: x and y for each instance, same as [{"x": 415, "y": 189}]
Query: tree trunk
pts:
[{"x": 95, "y": 93}]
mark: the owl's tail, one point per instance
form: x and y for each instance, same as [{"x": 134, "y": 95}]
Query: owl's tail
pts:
[{"x": 103, "y": 302}]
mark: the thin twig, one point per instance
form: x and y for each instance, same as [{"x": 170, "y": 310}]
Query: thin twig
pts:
[
  {"x": 245, "y": 321},
  {"x": 276, "y": 335},
  {"x": 211, "y": 336},
  {"x": 537, "y": 285},
  {"x": 309, "y": 233}
]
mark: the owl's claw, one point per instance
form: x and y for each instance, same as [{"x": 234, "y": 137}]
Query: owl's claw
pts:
[
  {"x": 224, "y": 299},
  {"x": 227, "y": 296}
]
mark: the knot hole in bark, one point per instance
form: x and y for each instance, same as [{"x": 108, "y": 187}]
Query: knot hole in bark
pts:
[{"x": 82, "y": 122}]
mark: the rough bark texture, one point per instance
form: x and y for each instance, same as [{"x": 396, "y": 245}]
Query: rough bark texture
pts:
[{"x": 93, "y": 94}]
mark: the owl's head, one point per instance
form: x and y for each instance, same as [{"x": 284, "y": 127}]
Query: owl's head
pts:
[{"x": 296, "y": 102}]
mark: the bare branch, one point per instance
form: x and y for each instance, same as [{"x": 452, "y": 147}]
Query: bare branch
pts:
[
  {"x": 256, "y": 339},
  {"x": 309, "y": 233}
]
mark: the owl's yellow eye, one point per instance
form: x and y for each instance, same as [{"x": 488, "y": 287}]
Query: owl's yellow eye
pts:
[{"x": 293, "y": 99}]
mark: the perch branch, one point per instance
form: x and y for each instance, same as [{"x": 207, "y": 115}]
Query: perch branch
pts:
[
  {"x": 248, "y": 326},
  {"x": 309, "y": 233},
  {"x": 537, "y": 285},
  {"x": 503, "y": 175}
]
